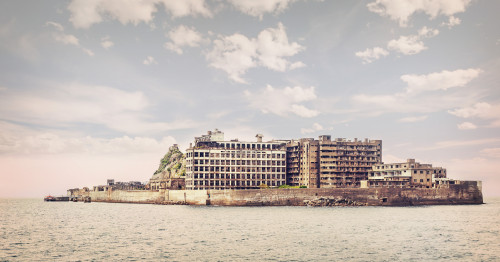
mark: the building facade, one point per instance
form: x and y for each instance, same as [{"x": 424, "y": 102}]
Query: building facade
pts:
[
  {"x": 327, "y": 163},
  {"x": 212, "y": 163},
  {"x": 409, "y": 173}
]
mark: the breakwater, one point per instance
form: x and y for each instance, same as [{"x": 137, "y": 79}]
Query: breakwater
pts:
[{"x": 467, "y": 192}]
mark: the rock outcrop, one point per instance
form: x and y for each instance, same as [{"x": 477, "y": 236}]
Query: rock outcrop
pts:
[{"x": 171, "y": 171}]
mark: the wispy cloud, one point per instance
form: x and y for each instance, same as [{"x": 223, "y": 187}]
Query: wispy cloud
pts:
[
  {"x": 459, "y": 143},
  {"x": 283, "y": 101},
  {"x": 406, "y": 45},
  {"x": 73, "y": 104}
]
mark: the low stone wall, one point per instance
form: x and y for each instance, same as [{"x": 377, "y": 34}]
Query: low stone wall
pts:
[
  {"x": 125, "y": 196},
  {"x": 467, "y": 192}
]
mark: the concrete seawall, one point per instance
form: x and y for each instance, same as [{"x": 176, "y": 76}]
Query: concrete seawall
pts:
[{"x": 468, "y": 192}]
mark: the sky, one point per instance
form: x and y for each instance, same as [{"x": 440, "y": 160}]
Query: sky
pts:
[{"x": 91, "y": 90}]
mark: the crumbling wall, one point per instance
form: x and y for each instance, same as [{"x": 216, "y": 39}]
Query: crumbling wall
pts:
[{"x": 467, "y": 192}]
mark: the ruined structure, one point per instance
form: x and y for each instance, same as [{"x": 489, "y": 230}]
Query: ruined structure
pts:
[
  {"x": 408, "y": 174},
  {"x": 335, "y": 172},
  {"x": 212, "y": 163},
  {"x": 327, "y": 163}
]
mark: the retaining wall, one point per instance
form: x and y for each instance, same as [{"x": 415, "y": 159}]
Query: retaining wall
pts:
[{"x": 468, "y": 192}]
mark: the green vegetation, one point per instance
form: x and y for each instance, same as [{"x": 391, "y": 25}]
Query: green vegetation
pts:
[
  {"x": 288, "y": 186},
  {"x": 172, "y": 156},
  {"x": 263, "y": 186}
]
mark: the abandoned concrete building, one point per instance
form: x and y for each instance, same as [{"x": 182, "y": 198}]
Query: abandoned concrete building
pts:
[
  {"x": 407, "y": 174},
  {"x": 212, "y": 163},
  {"x": 327, "y": 163}
]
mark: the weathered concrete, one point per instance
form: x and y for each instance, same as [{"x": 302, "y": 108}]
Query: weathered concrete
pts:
[{"x": 468, "y": 192}]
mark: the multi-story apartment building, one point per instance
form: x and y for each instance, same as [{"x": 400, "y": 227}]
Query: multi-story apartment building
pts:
[
  {"x": 327, "y": 163},
  {"x": 212, "y": 163},
  {"x": 410, "y": 173},
  {"x": 302, "y": 163}
]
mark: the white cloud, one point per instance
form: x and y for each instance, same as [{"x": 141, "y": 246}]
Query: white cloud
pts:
[
  {"x": 412, "y": 119},
  {"x": 74, "y": 104},
  {"x": 66, "y": 39},
  {"x": 402, "y": 10},
  {"x": 480, "y": 110},
  {"x": 149, "y": 61},
  {"x": 283, "y": 101},
  {"x": 407, "y": 45},
  {"x": 235, "y": 54},
  {"x": 183, "y": 36},
  {"x": 88, "y": 51},
  {"x": 296, "y": 65},
  {"x": 57, "y": 26},
  {"x": 412, "y": 44},
  {"x": 259, "y": 7},
  {"x": 85, "y": 13},
  {"x": 440, "y": 81},
  {"x": 419, "y": 96},
  {"x": 452, "y": 21},
  {"x": 106, "y": 43},
  {"x": 371, "y": 54},
  {"x": 186, "y": 8},
  {"x": 466, "y": 126},
  {"x": 315, "y": 128}
]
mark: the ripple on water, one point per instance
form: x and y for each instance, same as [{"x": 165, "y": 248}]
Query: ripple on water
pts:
[{"x": 100, "y": 231}]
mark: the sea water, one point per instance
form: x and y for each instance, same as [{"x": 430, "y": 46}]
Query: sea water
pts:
[{"x": 33, "y": 230}]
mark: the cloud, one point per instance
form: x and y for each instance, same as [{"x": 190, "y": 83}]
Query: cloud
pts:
[
  {"x": 406, "y": 45},
  {"x": 259, "y": 7},
  {"x": 85, "y": 13},
  {"x": 106, "y": 43},
  {"x": 371, "y": 54},
  {"x": 183, "y": 36},
  {"x": 57, "y": 26},
  {"x": 149, "y": 61},
  {"x": 491, "y": 152},
  {"x": 402, "y": 10},
  {"x": 67, "y": 39},
  {"x": 452, "y": 21},
  {"x": 466, "y": 126},
  {"x": 21, "y": 140},
  {"x": 412, "y": 44},
  {"x": 419, "y": 95},
  {"x": 235, "y": 54},
  {"x": 480, "y": 110},
  {"x": 283, "y": 101},
  {"x": 74, "y": 104},
  {"x": 315, "y": 128},
  {"x": 440, "y": 81},
  {"x": 412, "y": 119},
  {"x": 460, "y": 143}
]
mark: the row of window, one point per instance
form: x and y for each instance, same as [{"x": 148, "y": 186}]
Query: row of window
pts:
[
  {"x": 232, "y": 183},
  {"x": 235, "y": 169},
  {"x": 235, "y": 176},
  {"x": 236, "y": 162},
  {"x": 244, "y": 154}
]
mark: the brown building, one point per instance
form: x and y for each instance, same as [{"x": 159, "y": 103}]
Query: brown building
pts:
[
  {"x": 409, "y": 173},
  {"x": 327, "y": 163}
]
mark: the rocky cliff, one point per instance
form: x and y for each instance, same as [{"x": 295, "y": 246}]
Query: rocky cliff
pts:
[{"x": 172, "y": 165}]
